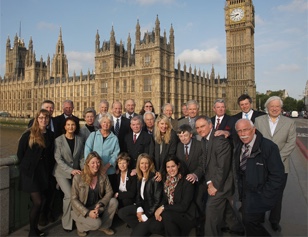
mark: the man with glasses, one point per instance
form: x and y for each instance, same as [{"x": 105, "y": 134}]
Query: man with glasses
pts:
[{"x": 260, "y": 176}]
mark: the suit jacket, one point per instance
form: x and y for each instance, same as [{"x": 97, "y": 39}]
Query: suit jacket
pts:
[
  {"x": 129, "y": 196},
  {"x": 182, "y": 201},
  {"x": 186, "y": 121},
  {"x": 60, "y": 122},
  {"x": 134, "y": 114},
  {"x": 217, "y": 164},
  {"x": 284, "y": 136},
  {"x": 152, "y": 193},
  {"x": 195, "y": 157},
  {"x": 80, "y": 191},
  {"x": 168, "y": 149},
  {"x": 66, "y": 162},
  {"x": 144, "y": 144},
  {"x": 174, "y": 123},
  {"x": 124, "y": 129},
  {"x": 255, "y": 114},
  {"x": 227, "y": 124},
  {"x": 264, "y": 175}
]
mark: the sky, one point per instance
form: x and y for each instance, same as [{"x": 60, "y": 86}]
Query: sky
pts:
[{"x": 281, "y": 32}]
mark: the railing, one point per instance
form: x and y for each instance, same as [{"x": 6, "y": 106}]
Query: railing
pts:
[{"x": 14, "y": 203}]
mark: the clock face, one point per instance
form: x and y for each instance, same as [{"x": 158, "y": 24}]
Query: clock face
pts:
[{"x": 237, "y": 14}]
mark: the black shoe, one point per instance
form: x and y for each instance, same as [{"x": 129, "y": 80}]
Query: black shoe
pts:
[
  {"x": 236, "y": 232},
  {"x": 68, "y": 231},
  {"x": 39, "y": 233},
  {"x": 275, "y": 227},
  {"x": 225, "y": 229}
]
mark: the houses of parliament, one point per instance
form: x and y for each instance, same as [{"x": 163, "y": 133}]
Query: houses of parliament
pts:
[{"x": 141, "y": 71}]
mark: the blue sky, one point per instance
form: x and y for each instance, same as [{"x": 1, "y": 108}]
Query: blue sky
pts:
[{"x": 280, "y": 35}]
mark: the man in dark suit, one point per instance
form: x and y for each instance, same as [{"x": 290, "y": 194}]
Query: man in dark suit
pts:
[
  {"x": 167, "y": 110},
  {"x": 184, "y": 112},
  {"x": 217, "y": 166},
  {"x": 50, "y": 106},
  {"x": 68, "y": 108},
  {"x": 193, "y": 111},
  {"x": 189, "y": 150},
  {"x": 121, "y": 124},
  {"x": 260, "y": 176},
  {"x": 245, "y": 103},
  {"x": 130, "y": 106},
  {"x": 137, "y": 142},
  {"x": 149, "y": 121}
]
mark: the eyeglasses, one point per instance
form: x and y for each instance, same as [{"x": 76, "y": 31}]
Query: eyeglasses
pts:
[
  {"x": 148, "y": 106},
  {"x": 43, "y": 118}
]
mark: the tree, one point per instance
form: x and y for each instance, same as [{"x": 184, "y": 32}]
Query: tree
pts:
[{"x": 289, "y": 104}]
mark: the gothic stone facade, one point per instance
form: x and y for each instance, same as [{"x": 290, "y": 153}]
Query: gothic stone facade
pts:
[{"x": 144, "y": 72}]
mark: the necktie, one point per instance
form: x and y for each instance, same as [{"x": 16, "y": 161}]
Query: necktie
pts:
[
  {"x": 135, "y": 137},
  {"x": 186, "y": 152},
  {"x": 246, "y": 115},
  {"x": 218, "y": 123},
  {"x": 117, "y": 128},
  {"x": 244, "y": 158},
  {"x": 130, "y": 117},
  {"x": 192, "y": 123}
]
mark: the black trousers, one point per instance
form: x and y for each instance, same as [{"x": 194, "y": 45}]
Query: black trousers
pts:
[
  {"x": 275, "y": 214},
  {"x": 177, "y": 224}
]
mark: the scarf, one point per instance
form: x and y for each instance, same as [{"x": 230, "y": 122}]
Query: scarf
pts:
[{"x": 169, "y": 187}]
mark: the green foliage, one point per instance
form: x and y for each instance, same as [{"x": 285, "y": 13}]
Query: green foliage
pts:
[{"x": 289, "y": 104}]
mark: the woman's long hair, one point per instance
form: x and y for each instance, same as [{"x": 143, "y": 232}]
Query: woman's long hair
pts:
[
  {"x": 151, "y": 166},
  {"x": 157, "y": 136},
  {"x": 86, "y": 174},
  {"x": 142, "y": 111},
  {"x": 36, "y": 135}
]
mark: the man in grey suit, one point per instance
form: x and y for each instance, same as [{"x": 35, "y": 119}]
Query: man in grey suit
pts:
[
  {"x": 217, "y": 166},
  {"x": 193, "y": 111},
  {"x": 282, "y": 131},
  {"x": 167, "y": 110}
]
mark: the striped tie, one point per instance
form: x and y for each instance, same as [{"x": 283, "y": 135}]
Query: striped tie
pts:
[
  {"x": 117, "y": 128},
  {"x": 244, "y": 158}
]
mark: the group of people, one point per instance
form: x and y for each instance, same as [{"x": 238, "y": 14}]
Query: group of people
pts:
[{"x": 159, "y": 174}]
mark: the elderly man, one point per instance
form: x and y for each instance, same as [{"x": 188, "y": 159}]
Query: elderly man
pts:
[
  {"x": 68, "y": 108},
  {"x": 149, "y": 120},
  {"x": 130, "y": 106},
  {"x": 103, "y": 109},
  {"x": 120, "y": 124},
  {"x": 245, "y": 103},
  {"x": 184, "y": 111},
  {"x": 260, "y": 175},
  {"x": 282, "y": 131},
  {"x": 193, "y": 111},
  {"x": 168, "y": 111}
]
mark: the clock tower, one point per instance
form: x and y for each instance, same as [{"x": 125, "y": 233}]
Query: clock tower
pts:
[{"x": 240, "y": 26}]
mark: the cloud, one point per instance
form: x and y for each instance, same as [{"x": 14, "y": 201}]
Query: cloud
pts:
[
  {"x": 46, "y": 26},
  {"x": 294, "y": 6},
  {"x": 287, "y": 68},
  {"x": 152, "y": 2},
  {"x": 259, "y": 20},
  {"x": 197, "y": 56},
  {"x": 80, "y": 61}
]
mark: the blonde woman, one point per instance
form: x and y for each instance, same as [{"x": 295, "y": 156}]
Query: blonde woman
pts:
[
  {"x": 92, "y": 201},
  {"x": 165, "y": 139},
  {"x": 140, "y": 216},
  {"x": 35, "y": 154}
]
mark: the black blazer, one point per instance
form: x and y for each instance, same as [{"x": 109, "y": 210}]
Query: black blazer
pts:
[
  {"x": 60, "y": 122},
  {"x": 124, "y": 129},
  {"x": 227, "y": 124},
  {"x": 153, "y": 191},
  {"x": 168, "y": 149},
  {"x": 183, "y": 200},
  {"x": 144, "y": 144},
  {"x": 29, "y": 157},
  {"x": 194, "y": 162},
  {"x": 253, "y": 117},
  {"x": 128, "y": 197}
]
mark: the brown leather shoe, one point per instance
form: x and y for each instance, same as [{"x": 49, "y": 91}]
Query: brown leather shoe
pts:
[
  {"x": 107, "y": 231},
  {"x": 81, "y": 233}
]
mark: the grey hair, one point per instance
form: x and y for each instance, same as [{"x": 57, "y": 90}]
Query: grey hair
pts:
[
  {"x": 272, "y": 98},
  {"x": 190, "y": 102},
  {"x": 149, "y": 112},
  {"x": 206, "y": 118},
  {"x": 219, "y": 101},
  {"x": 163, "y": 108},
  {"x": 137, "y": 118},
  {"x": 104, "y": 102},
  {"x": 244, "y": 119},
  {"x": 129, "y": 100},
  {"x": 107, "y": 116},
  {"x": 89, "y": 110},
  {"x": 68, "y": 101}
]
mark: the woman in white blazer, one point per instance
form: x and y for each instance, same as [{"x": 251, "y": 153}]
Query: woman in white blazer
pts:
[{"x": 69, "y": 149}]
